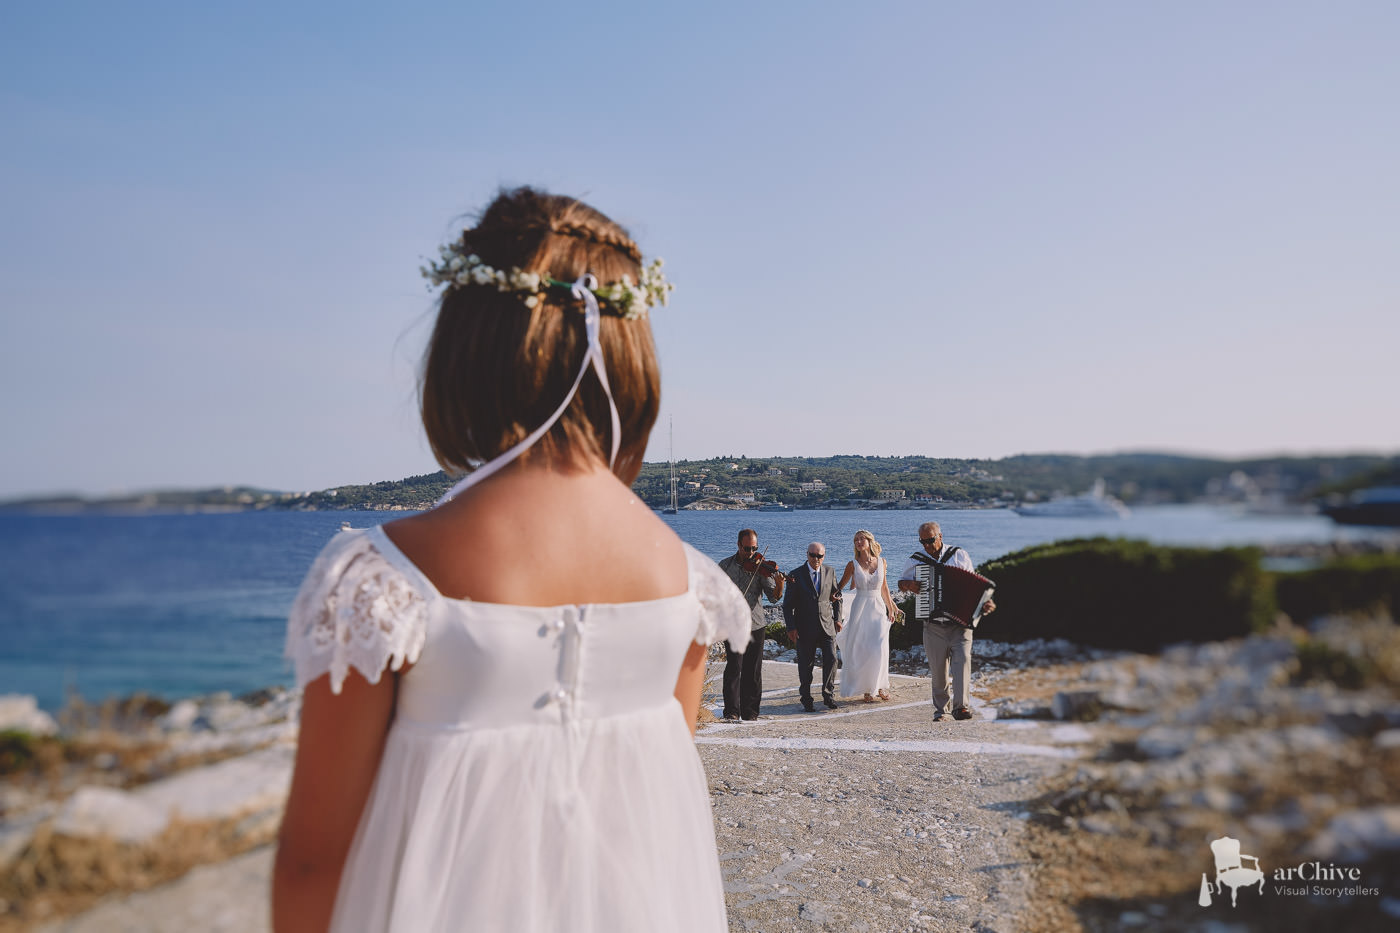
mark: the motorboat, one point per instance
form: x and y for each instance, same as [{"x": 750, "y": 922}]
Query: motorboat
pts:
[
  {"x": 774, "y": 507},
  {"x": 1092, "y": 504},
  {"x": 1379, "y": 505}
]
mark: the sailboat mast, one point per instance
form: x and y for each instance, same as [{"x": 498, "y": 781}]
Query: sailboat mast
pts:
[{"x": 673, "y": 461}]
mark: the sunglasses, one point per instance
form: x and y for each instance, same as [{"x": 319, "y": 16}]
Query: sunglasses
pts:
[
  {"x": 819, "y": 556},
  {"x": 749, "y": 549},
  {"x": 927, "y": 541}
]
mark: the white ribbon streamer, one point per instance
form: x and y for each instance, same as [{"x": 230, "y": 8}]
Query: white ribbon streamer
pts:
[{"x": 592, "y": 322}]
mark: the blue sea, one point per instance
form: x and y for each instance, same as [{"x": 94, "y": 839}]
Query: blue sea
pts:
[{"x": 182, "y": 605}]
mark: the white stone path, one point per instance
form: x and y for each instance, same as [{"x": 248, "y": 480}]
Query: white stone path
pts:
[
  {"x": 906, "y": 745},
  {"x": 719, "y": 733}
]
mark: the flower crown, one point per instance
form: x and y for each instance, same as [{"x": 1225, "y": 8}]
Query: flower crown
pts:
[{"x": 623, "y": 298}]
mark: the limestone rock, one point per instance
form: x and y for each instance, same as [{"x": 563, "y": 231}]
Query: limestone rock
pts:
[
  {"x": 21, "y": 712},
  {"x": 1168, "y": 741},
  {"x": 252, "y": 783},
  {"x": 106, "y": 811},
  {"x": 180, "y": 717},
  {"x": 1358, "y": 834},
  {"x": 1081, "y": 705},
  {"x": 1023, "y": 709}
]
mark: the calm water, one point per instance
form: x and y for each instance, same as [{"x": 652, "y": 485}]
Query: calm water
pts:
[{"x": 178, "y": 605}]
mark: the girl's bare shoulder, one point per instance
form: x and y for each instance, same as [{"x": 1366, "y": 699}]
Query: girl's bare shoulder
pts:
[{"x": 533, "y": 539}]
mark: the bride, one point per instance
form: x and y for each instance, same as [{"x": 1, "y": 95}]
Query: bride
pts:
[{"x": 865, "y": 640}]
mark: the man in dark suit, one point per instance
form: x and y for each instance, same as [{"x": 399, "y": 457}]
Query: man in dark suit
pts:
[{"x": 812, "y": 612}]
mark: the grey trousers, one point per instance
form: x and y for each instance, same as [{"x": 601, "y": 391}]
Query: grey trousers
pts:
[{"x": 942, "y": 641}]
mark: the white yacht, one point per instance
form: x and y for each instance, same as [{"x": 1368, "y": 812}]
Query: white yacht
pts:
[{"x": 1093, "y": 504}]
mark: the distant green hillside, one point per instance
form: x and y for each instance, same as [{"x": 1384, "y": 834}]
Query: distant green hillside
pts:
[{"x": 1142, "y": 478}]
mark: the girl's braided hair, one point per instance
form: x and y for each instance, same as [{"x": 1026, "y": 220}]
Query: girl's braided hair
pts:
[{"x": 494, "y": 370}]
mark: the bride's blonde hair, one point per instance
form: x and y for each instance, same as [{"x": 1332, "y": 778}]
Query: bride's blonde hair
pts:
[{"x": 875, "y": 548}]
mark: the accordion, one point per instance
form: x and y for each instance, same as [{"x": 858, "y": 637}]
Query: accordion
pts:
[{"x": 950, "y": 594}]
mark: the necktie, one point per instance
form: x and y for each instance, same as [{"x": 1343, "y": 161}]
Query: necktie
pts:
[{"x": 815, "y": 586}]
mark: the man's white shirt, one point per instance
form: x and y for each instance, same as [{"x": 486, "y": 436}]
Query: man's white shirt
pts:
[{"x": 959, "y": 560}]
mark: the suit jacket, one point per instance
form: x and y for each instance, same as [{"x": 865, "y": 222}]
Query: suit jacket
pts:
[{"x": 808, "y": 610}]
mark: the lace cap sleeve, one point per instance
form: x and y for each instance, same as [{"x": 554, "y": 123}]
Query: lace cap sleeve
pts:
[
  {"x": 356, "y": 610},
  {"x": 724, "y": 614}
]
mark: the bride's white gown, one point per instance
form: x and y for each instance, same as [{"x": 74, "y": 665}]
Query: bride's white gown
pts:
[
  {"x": 865, "y": 641},
  {"x": 539, "y": 774}
]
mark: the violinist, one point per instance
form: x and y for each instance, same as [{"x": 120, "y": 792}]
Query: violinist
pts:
[{"x": 743, "y": 671}]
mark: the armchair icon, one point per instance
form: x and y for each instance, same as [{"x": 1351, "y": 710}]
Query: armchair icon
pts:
[{"x": 1230, "y": 871}]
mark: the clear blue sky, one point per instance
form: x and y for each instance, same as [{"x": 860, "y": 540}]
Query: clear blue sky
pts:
[{"x": 948, "y": 229}]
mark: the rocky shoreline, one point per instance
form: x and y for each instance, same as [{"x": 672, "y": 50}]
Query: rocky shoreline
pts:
[{"x": 1083, "y": 796}]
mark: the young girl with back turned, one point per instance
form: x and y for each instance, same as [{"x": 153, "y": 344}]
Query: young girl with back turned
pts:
[{"x": 500, "y": 692}]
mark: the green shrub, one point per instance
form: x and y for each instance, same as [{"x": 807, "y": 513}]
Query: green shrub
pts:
[
  {"x": 1355, "y": 584},
  {"x": 911, "y": 632},
  {"x": 1127, "y": 594},
  {"x": 1320, "y": 661},
  {"x": 21, "y": 752}
]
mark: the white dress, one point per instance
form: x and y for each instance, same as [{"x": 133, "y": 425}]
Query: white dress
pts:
[
  {"x": 865, "y": 640},
  {"x": 539, "y": 773}
]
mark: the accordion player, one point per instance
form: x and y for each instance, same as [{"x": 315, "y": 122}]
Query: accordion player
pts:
[{"x": 948, "y": 593}]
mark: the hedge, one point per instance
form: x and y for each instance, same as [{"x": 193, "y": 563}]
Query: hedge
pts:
[
  {"x": 1129, "y": 595},
  {"x": 1370, "y": 583}
]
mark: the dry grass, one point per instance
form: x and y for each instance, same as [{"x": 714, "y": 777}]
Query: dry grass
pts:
[
  {"x": 58, "y": 876},
  {"x": 711, "y": 693},
  {"x": 130, "y": 714},
  {"x": 51, "y": 767},
  {"x": 48, "y": 759}
]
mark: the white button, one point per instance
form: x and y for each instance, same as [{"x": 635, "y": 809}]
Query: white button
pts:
[
  {"x": 559, "y": 695},
  {"x": 557, "y": 624}
]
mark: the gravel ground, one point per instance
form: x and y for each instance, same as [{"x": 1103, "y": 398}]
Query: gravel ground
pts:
[
  {"x": 869, "y": 818},
  {"x": 874, "y": 817}
]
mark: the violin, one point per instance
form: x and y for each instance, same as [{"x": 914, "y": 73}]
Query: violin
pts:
[
  {"x": 765, "y": 568},
  {"x": 755, "y": 564}
]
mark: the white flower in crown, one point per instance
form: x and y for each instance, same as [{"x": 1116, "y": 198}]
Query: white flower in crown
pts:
[{"x": 623, "y": 298}]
